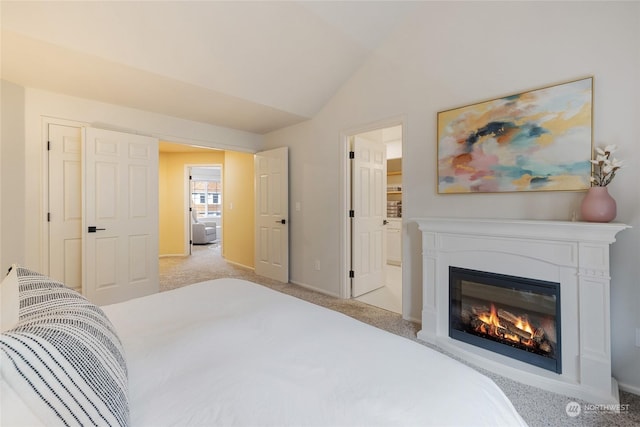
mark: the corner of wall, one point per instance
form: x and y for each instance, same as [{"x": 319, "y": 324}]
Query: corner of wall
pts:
[{"x": 12, "y": 167}]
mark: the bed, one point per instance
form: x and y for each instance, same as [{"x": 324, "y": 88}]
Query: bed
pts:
[{"x": 231, "y": 352}]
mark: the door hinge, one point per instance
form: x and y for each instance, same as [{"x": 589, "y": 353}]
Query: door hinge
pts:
[
  {"x": 48, "y": 216},
  {"x": 351, "y": 274},
  {"x": 352, "y": 154},
  {"x": 352, "y": 213},
  {"x": 48, "y": 145}
]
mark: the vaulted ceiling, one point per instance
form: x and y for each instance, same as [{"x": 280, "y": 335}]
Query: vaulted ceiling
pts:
[{"x": 253, "y": 66}]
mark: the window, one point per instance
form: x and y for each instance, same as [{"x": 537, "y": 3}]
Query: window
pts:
[{"x": 206, "y": 191}]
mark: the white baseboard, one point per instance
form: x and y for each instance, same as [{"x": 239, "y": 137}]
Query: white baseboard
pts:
[
  {"x": 629, "y": 388},
  {"x": 413, "y": 319},
  {"x": 169, "y": 255},
  {"x": 313, "y": 288},
  {"x": 237, "y": 264}
]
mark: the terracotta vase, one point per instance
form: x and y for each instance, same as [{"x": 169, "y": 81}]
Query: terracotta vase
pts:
[{"x": 598, "y": 205}]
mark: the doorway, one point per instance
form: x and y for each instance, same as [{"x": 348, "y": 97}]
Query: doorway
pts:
[
  {"x": 63, "y": 235},
  {"x": 234, "y": 199},
  {"x": 205, "y": 204},
  {"x": 388, "y": 293}
]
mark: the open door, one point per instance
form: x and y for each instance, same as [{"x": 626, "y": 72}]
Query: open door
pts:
[
  {"x": 369, "y": 201},
  {"x": 120, "y": 215},
  {"x": 272, "y": 214}
]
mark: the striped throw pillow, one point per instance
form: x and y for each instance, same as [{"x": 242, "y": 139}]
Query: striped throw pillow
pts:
[{"x": 63, "y": 357}]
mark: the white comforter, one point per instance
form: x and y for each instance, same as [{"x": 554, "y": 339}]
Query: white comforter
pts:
[{"x": 230, "y": 352}]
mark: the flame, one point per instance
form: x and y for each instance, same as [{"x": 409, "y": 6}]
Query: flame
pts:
[
  {"x": 492, "y": 318},
  {"x": 491, "y": 326},
  {"x": 512, "y": 337},
  {"x": 524, "y": 325}
]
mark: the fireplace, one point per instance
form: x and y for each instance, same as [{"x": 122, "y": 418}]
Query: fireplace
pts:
[
  {"x": 572, "y": 257},
  {"x": 514, "y": 316}
]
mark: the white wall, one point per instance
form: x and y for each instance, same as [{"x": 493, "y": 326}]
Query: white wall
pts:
[
  {"x": 26, "y": 174},
  {"x": 452, "y": 54},
  {"x": 12, "y": 171}
]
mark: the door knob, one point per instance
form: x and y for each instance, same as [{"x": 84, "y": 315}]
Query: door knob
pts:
[
  {"x": 281, "y": 221},
  {"x": 93, "y": 229},
  {"x": 385, "y": 222}
]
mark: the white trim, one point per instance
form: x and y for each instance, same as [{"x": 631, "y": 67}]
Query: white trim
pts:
[
  {"x": 211, "y": 145},
  {"x": 345, "y": 224},
  {"x": 176, "y": 139},
  {"x": 313, "y": 288},
  {"x": 415, "y": 320},
  {"x": 629, "y": 388},
  {"x": 239, "y": 265},
  {"x": 187, "y": 229}
]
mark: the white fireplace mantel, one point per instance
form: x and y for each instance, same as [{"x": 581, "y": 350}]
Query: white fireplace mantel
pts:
[{"x": 574, "y": 254}]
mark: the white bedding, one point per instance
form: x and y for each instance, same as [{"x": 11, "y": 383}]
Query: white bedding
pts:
[{"x": 230, "y": 352}]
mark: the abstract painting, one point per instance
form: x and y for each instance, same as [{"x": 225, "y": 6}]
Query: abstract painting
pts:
[{"x": 534, "y": 141}]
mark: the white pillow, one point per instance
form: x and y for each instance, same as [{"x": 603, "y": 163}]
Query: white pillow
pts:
[
  {"x": 63, "y": 358},
  {"x": 9, "y": 301}
]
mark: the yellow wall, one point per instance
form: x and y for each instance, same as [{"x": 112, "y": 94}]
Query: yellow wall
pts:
[
  {"x": 238, "y": 212},
  {"x": 172, "y": 198}
]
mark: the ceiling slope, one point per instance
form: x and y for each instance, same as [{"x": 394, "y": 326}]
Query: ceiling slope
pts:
[{"x": 253, "y": 66}]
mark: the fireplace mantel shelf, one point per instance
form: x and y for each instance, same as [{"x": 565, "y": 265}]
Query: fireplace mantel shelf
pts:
[
  {"x": 573, "y": 254},
  {"x": 553, "y": 230}
]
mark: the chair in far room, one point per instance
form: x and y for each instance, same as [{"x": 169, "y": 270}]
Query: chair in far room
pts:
[{"x": 202, "y": 232}]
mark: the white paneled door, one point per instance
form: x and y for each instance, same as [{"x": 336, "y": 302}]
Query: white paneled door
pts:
[
  {"x": 272, "y": 214},
  {"x": 369, "y": 200},
  {"x": 65, "y": 205},
  {"x": 120, "y": 221}
]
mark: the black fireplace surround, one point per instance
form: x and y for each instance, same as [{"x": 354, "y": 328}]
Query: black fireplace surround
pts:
[{"x": 514, "y": 316}]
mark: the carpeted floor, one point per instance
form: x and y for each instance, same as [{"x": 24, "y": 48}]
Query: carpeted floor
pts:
[{"x": 537, "y": 407}]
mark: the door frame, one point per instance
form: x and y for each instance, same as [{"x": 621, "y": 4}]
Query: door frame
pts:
[
  {"x": 345, "y": 196},
  {"x": 188, "y": 245}
]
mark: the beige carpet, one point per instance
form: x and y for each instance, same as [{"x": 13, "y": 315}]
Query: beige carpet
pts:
[
  {"x": 537, "y": 407},
  {"x": 206, "y": 263}
]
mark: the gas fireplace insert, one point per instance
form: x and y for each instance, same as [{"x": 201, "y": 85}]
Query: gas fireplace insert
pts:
[{"x": 514, "y": 316}]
